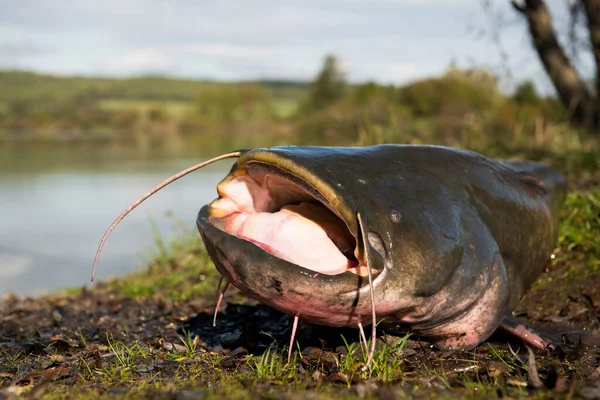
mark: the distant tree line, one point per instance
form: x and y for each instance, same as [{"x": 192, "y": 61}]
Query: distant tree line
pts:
[{"x": 462, "y": 107}]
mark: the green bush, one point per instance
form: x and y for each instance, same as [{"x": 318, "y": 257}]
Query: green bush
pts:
[
  {"x": 455, "y": 94},
  {"x": 233, "y": 103}
]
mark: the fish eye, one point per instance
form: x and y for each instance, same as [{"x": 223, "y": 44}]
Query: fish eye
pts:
[{"x": 395, "y": 216}]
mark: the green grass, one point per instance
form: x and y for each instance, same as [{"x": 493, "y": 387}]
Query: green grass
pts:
[
  {"x": 177, "y": 270},
  {"x": 175, "y": 108},
  {"x": 581, "y": 223},
  {"x": 273, "y": 365},
  {"x": 32, "y": 87},
  {"x": 579, "y": 235},
  {"x": 285, "y": 107},
  {"x": 387, "y": 362}
]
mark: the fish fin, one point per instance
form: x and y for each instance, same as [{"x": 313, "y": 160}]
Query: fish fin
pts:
[{"x": 516, "y": 328}]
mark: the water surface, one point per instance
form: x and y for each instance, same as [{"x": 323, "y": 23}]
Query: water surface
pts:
[{"x": 56, "y": 201}]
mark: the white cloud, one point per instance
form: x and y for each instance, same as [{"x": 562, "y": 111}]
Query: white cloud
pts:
[
  {"x": 227, "y": 50},
  {"x": 12, "y": 54},
  {"x": 313, "y": 17},
  {"x": 17, "y": 54},
  {"x": 400, "y": 72},
  {"x": 142, "y": 61},
  {"x": 22, "y": 49}
]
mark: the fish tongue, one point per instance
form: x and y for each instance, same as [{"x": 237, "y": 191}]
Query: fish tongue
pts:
[
  {"x": 295, "y": 238},
  {"x": 334, "y": 227}
]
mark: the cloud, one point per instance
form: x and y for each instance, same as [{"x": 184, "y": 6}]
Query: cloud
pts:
[
  {"x": 15, "y": 54},
  {"x": 22, "y": 49},
  {"x": 142, "y": 61},
  {"x": 227, "y": 59},
  {"x": 227, "y": 50},
  {"x": 400, "y": 72}
]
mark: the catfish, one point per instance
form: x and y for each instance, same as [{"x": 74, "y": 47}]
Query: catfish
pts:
[{"x": 441, "y": 240}]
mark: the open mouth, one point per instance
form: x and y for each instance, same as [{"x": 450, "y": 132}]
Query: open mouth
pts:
[{"x": 286, "y": 217}]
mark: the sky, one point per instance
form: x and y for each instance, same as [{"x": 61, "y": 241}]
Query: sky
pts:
[{"x": 390, "y": 41}]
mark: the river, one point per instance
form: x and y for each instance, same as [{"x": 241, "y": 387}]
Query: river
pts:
[{"x": 56, "y": 201}]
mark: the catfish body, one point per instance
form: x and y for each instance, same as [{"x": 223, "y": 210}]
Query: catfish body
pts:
[{"x": 454, "y": 238}]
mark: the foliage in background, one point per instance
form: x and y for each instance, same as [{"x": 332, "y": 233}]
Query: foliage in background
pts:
[
  {"x": 462, "y": 108},
  {"x": 328, "y": 87}
]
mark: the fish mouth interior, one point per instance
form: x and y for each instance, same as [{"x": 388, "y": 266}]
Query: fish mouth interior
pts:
[{"x": 286, "y": 217}]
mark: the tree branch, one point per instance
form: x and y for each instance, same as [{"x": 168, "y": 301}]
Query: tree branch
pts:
[
  {"x": 592, "y": 10},
  {"x": 518, "y": 7},
  {"x": 571, "y": 88}
]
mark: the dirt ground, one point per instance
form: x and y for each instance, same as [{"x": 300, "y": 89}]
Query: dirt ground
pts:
[{"x": 67, "y": 341}]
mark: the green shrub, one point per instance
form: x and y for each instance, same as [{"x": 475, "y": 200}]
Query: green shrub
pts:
[{"x": 233, "y": 103}]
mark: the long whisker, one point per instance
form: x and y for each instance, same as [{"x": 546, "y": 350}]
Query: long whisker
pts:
[
  {"x": 363, "y": 337},
  {"x": 294, "y": 328},
  {"x": 155, "y": 189},
  {"x": 363, "y": 232},
  {"x": 221, "y": 279},
  {"x": 220, "y": 299}
]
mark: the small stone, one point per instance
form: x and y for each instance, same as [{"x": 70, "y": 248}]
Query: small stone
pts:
[{"x": 230, "y": 339}]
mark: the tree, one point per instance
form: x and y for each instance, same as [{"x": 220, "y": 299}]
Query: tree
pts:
[
  {"x": 581, "y": 103},
  {"x": 329, "y": 86},
  {"x": 526, "y": 94}
]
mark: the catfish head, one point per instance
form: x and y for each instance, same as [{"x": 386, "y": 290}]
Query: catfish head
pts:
[{"x": 291, "y": 228}]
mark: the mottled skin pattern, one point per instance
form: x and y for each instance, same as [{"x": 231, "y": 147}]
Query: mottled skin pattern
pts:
[{"x": 457, "y": 238}]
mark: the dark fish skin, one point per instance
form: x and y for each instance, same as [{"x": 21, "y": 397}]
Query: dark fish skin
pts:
[{"x": 458, "y": 237}]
